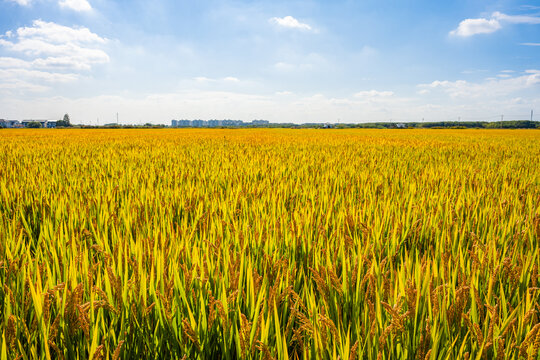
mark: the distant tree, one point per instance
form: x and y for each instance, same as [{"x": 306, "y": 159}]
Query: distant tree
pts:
[
  {"x": 34, "y": 125},
  {"x": 65, "y": 122}
]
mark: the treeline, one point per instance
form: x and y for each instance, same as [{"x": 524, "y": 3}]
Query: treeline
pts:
[{"x": 515, "y": 124}]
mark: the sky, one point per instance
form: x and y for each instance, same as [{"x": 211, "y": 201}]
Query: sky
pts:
[{"x": 301, "y": 61}]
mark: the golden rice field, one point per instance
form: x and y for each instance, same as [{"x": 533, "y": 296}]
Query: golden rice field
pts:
[{"x": 269, "y": 244}]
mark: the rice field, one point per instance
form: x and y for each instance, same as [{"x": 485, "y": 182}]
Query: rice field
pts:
[{"x": 269, "y": 244}]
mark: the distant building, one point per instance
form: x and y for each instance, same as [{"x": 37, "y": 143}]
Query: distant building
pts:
[
  {"x": 401, "y": 126},
  {"x": 328, "y": 126},
  {"x": 198, "y": 123},
  {"x": 181, "y": 123},
  {"x": 10, "y": 123},
  {"x": 51, "y": 124},
  {"x": 215, "y": 123},
  {"x": 42, "y": 122},
  {"x": 232, "y": 123},
  {"x": 260, "y": 122}
]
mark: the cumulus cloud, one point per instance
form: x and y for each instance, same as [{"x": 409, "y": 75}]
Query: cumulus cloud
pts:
[
  {"x": 53, "y": 46},
  {"x": 290, "y": 23},
  {"x": 48, "y": 52},
  {"x": 470, "y": 27},
  {"x": 56, "y": 33}
]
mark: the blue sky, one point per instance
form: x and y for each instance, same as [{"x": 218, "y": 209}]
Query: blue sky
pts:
[{"x": 284, "y": 61}]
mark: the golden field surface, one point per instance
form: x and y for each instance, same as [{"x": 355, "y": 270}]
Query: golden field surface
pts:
[{"x": 269, "y": 243}]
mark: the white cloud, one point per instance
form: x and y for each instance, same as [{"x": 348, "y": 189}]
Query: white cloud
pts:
[
  {"x": 22, "y": 2},
  {"x": 469, "y": 27},
  {"x": 373, "y": 94},
  {"x": 290, "y": 22},
  {"x": 56, "y": 46},
  {"x": 202, "y": 79},
  {"x": 22, "y": 80},
  {"x": 58, "y": 63},
  {"x": 489, "y": 88},
  {"x": 10, "y": 62},
  {"x": 371, "y": 105},
  {"x": 55, "y": 33},
  {"x": 76, "y": 5},
  {"x": 76, "y": 53},
  {"x": 21, "y": 86},
  {"x": 530, "y": 44},
  {"x": 283, "y": 66},
  {"x": 71, "y": 62},
  {"x": 227, "y": 79},
  {"x": 48, "y": 52},
  {"x": 284, "y": 93},
  {"x": 15, "y": 74},
  {"x": 162, "y": 107},
  {"x": 231, "y": 79},
  {"x": 516, "y": 19}
]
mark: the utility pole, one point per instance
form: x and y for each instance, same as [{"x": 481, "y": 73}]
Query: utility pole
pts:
[
  {"x": 502, "y": 117},
  {"x": 117, "y": 119},
  {"x": 531, "y": 115}
]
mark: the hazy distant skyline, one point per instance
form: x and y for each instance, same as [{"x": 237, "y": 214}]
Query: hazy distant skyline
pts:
[{"x": 283, "y": 61}]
